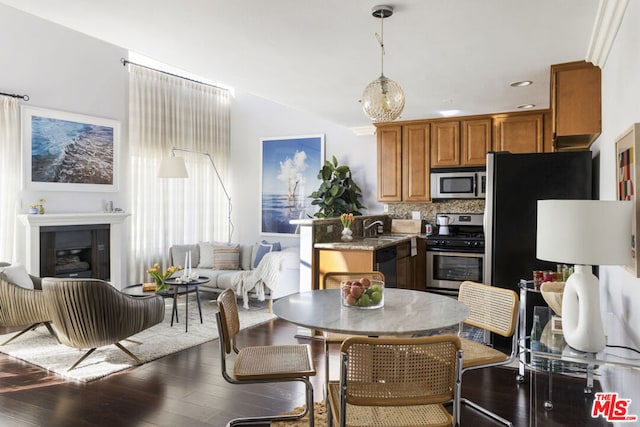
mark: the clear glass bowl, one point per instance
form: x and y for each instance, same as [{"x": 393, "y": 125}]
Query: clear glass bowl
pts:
[{"x": 363, "y": 295}]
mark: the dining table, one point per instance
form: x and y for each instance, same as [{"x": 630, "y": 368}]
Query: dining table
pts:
[{"x": 405, "y": 312}]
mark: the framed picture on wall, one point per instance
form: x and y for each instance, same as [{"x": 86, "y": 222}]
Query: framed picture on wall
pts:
[
  {"x": 69, "y": 152},
  {"x": 290, "y": 168},
  {"x": 627, "y": 146}
]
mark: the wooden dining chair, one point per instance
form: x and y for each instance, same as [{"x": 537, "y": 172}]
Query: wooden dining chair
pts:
[
  {"x": 333, "y": 280},
  {"x": 262, "y": 364},
  {"x": 397, "y": 382},
  {"x": 495, "y": 310}
]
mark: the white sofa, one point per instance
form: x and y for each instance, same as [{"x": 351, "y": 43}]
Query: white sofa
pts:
[{"x": 277, "y": 274}]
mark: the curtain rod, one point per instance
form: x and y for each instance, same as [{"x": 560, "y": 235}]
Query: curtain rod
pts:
[
  {"x": 13, "y": 95},
  {"x": 126, "y": 61}
]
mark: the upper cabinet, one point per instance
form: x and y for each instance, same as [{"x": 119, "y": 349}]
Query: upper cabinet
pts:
[
  {"x": 460, "y": 143},
  {"x": 415, "y": 163},
  {"x": 519, "y": 132},
  {"x": 475, "y": 141},
  {"x": 389, "y": 163},
  {"x": 403, "y": 162},
  {"x": 576, "y": 105}
]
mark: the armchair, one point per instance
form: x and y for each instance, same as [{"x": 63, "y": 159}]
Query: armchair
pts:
[
  {"x": 22, "y": 306},
  {"x": 90, "y": 313}
]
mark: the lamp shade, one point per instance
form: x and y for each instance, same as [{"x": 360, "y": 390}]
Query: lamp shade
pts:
[
  {"x": 587, "y": 232},
  {"x": 172, "y": 167},
  {"x": 383, "y": 100}
]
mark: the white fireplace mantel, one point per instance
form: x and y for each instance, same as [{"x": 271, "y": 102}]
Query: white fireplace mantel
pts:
[{"x": 115, "y": 220}]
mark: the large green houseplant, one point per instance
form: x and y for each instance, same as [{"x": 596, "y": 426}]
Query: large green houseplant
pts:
[{"x": 338, "y": 193}]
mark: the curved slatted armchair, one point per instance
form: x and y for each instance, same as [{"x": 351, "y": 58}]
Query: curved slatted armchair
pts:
[
  {"x": 90, "y": 313},
  {"x": 20, "y": 306},
  {"x": 496, "y": 310},
  {"x": 397, "y": 382},
  {"x": 262, "y": 364}
]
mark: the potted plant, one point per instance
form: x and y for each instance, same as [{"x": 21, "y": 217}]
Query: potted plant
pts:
[{"x": 338, "y": 193}]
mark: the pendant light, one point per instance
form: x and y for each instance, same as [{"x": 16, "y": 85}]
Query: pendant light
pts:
[{"x": 382, "y": 99}]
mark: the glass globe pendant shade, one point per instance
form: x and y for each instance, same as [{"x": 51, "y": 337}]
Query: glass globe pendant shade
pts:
[{"x": 383, "y": 100}]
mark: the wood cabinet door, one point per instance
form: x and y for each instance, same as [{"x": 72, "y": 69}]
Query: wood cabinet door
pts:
[
  {"x": 475, "y": 141},
  {"x": 518, "y": 133},
  {"x": 389, "y": 141},
  {"x": 415, "y": 163},
  {"x": 339, "y": 261},
  {"x": 576, "y": 104},
  {"x": 445, "y": 144}
]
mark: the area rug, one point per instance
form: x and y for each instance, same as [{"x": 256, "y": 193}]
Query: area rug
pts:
[
  {"x": 319, "y": 417},
  {"x": 40, "y": 348}
]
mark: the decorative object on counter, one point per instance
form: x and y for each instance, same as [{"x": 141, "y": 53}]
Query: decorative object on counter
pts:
[
  {"x": 159, "y": 277},
  {"x": 338, "y": 193},
  {"x": 346, "y": 220},
  {"x": 362, "y": 293},
  {"x": 586, "y": 243},
  {"x": 383, "y": 98},
  {"x": 552, "y": 293}
]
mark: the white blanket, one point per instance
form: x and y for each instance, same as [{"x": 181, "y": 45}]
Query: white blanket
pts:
[{"x": 266, "y": 274}]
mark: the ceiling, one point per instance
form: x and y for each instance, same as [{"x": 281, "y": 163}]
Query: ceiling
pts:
[{"x": 318, "y": 55}]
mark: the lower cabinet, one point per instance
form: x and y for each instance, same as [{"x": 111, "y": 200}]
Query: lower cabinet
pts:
[
  {"x": 329, "y": 260},
  {"x": 402, "y": 270}
]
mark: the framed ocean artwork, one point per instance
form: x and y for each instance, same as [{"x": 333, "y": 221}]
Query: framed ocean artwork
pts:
[
  {"x": 290, "y": 168},
  {"x": 69, "y": 152},
  {"x": 627, "y": 175}
]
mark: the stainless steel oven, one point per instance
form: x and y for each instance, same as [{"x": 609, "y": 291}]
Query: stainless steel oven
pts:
[
  {"x": 447, "y": 270},
  {"x": 457, "y": 254}
]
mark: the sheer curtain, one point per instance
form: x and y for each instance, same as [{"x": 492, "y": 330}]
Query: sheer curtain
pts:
[
  {"x": 164, "y": 112},
  {"x": 9, "y": 174}
]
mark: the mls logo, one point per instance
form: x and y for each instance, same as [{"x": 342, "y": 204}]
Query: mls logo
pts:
[{"x": 611, "y": 408}]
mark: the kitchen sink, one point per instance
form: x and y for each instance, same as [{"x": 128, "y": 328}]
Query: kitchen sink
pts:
[{"x": 383, "y": 238}]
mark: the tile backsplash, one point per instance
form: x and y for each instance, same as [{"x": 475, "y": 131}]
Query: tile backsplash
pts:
[{"x": 428, "y": 211}]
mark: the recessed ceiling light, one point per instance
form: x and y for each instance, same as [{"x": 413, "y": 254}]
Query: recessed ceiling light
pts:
[
  {"x": 526, "y": 106},
  {"x": 449, "y": 113},
  {"x": 521, "y": 83}
]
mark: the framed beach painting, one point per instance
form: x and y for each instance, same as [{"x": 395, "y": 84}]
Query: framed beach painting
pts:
[
  {"x": 627, "y": 175},
  {"x": 290, "y": 168},
  {"x": 69, "y": 152}
]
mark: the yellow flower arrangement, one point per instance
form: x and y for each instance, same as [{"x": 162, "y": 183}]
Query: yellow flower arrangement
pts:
[
  {"x": 346, "y": 219},
  {"x": 159, "y": 276}
]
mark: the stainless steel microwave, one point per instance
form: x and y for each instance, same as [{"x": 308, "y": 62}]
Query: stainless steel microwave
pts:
[{"x": 458, "y": 185}]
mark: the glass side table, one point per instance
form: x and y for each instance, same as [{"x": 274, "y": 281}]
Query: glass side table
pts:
[{"x": 553, "y": 354}]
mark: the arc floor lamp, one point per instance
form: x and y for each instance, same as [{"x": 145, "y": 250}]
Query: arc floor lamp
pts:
[{"x": 174, "y": 167}]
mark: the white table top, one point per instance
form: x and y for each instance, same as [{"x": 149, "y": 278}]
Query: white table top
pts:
[{"x": 405, "y": 312}]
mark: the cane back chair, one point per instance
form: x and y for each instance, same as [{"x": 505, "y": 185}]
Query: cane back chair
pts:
[
  {"x": 262, "y": 364},
  {"x": 397, "y": 382},
  {"x": 495, "y": 310}
]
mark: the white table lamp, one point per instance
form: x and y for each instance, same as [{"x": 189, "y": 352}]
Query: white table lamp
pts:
[{"x": 585, "y": 233}]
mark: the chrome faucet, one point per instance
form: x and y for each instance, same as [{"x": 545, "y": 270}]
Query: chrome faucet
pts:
[{"x": 365, "y": 227}]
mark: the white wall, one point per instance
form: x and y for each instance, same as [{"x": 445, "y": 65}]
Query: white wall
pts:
[
  {"x": 64, "y": 70},
  {"x": 620, "y": 291},
  {"x": 253, "y": 118}
]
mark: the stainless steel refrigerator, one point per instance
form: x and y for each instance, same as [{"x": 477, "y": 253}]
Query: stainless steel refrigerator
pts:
[{"x": 515, "y": 182}]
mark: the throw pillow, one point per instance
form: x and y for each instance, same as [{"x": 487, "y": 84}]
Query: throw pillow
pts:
[
  {"x": 206, "y": 255},
  {"x": 17, "y": 275},
  {"x": 226, "y": 258},
  {"x": 264, "y": 248}
]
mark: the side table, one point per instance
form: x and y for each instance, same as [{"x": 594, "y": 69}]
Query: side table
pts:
[{"x": 181, "y": 287}]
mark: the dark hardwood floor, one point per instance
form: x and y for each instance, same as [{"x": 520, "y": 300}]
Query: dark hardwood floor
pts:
[{"x": 186, "y": 389}]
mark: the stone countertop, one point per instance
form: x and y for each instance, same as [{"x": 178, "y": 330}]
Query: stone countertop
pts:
[{"x": 368, "y": 243}]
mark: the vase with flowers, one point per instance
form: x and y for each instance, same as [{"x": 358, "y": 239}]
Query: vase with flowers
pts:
[
  {"x": 346, "y": 219},
  {"x": 159, "y": 276}
]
